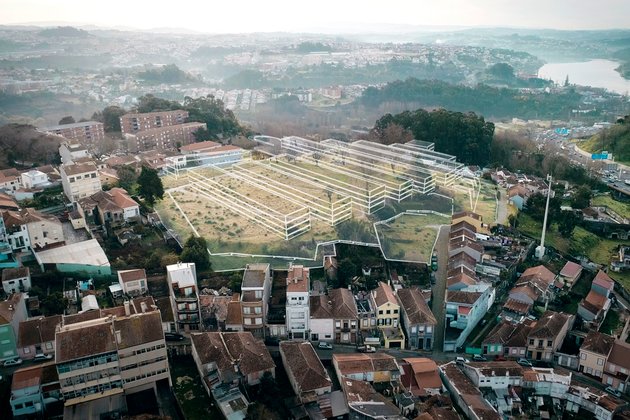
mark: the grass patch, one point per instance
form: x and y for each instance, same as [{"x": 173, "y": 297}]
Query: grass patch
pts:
[
  {"x": 410, "y": 236},
  {"x": 190, "y": 393},
  {"x": 622, "y": 209},
  {"x": 611, "y": 324}
]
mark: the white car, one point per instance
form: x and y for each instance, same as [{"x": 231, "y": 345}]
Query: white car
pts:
[
  {"x": 12, "y": 362},
  {"x": 42, "y": 357},
  {"x": 324, "y": 345}
]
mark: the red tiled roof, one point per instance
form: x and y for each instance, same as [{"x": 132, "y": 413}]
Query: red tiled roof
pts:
[
  {"x": 603, "y": 280},
  {"x": 571, "y": 269},
  {"x": 384, "y": 294},
  {"x": 518, "y": 307}
]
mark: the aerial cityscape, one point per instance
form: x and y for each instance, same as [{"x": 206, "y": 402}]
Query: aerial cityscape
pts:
[{"x": 349, "y": 210}]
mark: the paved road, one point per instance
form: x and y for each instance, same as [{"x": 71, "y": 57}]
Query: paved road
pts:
[
  {"x": 502, "y": 208},
  {"x": 439, "y": 288}
]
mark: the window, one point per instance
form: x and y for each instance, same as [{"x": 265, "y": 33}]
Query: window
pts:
[
  {"x": 27, "y": 350},
  {"x": 429, "y": 329},
  {"x": 395, "y": 311},
  {"x": 49, "y": 346},
  {"x": 549, "y": 343},
  {"x": 337, "y": 324},
  {"x": 540, "y": 343},
  {"x": 609, "y": 380},
  {"x": 248, "y": 321},
  {"x": 589, "y": 370},
  {"x": 257, "y": 310},
  {"x": 387, "y": 312},
  {"x": 598, "y": 373},
  {"x": 246, "y": 310},
  {"x": 531, "y": 341},
  {"x": 414, "y": 329},
  {"x": 380, "y": 312},
  {"x": 583, "y": 356},
  {"x": 258, "y": 321},
  {"x": 259, "y": 294},
  {"x": 600, "y": 362}
]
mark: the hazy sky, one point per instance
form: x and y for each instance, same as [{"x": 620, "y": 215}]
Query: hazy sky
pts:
[{"x": 221, "y": 16}]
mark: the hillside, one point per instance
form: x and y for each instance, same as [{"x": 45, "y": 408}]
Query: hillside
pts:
[
  {"x": 25, "y": 145},
  {"x": 615, "y": 140}
]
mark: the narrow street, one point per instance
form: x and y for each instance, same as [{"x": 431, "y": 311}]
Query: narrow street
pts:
[{"x": 439, "y": 288}]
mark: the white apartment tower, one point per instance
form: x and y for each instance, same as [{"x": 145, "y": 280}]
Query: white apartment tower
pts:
[{"x": 297, "y": 310}]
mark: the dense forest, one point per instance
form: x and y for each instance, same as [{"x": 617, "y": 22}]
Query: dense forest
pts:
[
  {"x": 465, "y": 135},
  {"x": 489, "y": 101}
]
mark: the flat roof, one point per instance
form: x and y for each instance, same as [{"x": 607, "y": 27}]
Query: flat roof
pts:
[
  {"x": 73, "y": 125},
  {"x": 81, "y": 253}
]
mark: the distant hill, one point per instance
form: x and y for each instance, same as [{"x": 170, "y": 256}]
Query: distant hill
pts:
[
  {"x": 615, "y": 140},
  {"x": 166, "y": 74},
  {"x": 64, "y": 31}
]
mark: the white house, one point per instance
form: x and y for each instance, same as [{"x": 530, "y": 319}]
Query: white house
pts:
[
  {"x": 15, "y": 280},
  {"x": 34, "y": 179},
  {"x": 322, "y": 322},
  {"x": 133, "y": 282},
  {"x": 182, "y": 280},
  {"x": 297, "y": 306}
]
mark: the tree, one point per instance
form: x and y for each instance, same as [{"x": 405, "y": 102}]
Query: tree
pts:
[
  {"x": 345, "y": 272},
  {"x": 54, "y": 304},
  {"x": 150, "y": 185},
  {"x": 110, "y": 117},
  {"x": 196, "y": 251},
  {"x": 567, "y": 223},
  {"x": 581, "y": 198},
  {"x": 127, "y": 177},
  {"x": 67, "y": 120}
]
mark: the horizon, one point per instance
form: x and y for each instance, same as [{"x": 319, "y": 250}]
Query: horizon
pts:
[{"x": 327, "y": 17}]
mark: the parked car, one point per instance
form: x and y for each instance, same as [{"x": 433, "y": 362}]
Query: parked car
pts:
[
  {"x": 12, "y": 362},
  {"x": 524, "y": 362},
  {"x": 324, "y": 345},
  {"x": 41, "y": 357},
  {"x": 173, "y": 336},
  {"x": 461, "y": 360},
  {"x": 479, "y": 358},
  {"x": 613, "y": 391},
  {"x": 366, "y": 349}
]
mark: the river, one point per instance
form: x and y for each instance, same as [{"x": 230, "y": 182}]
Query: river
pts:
[{"x": 595, "y": 73}]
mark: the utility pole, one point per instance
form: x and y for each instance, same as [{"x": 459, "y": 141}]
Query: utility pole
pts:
[{"x": 540, "y": 250}]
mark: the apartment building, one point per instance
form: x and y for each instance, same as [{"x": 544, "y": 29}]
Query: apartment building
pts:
[
  {"x": 182, "y": 281},
  {"x": 10, "y": 180},
  {"x": 88, "y": 133},
  {"x": 134, "y": 122},
  {"x": 255, "y": 292},
  {"x": 297, "y": 306},
  {"x": 110, "y": 357},
  {"x": 37, "y": 336},
  {"x": 164, "y": 138},
  {"x": 80, "y": 180}
]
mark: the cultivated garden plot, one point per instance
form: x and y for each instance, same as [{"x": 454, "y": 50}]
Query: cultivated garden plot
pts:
[{"x": 410, "y": 236}]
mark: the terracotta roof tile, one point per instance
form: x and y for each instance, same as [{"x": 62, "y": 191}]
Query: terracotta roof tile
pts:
[
  {"x": 597, "y": 342},
  {"x": 304, "y": 365},
  {"x": 413, "y": 303}
]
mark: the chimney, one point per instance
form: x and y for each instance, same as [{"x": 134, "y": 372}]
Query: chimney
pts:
[
  {"x": 143, "y": 307},
  {"x": 118, "y": 337},
  {"x": 127, "y": 308}
]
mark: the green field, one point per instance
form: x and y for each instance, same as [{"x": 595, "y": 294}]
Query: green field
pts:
[
  {"x": 622, "y": 209},
  {"x": 410, "y": 237},
  {"x": 597, "y": 249}
]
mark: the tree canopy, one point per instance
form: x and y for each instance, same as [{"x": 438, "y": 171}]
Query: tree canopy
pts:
[
  {"x": 67, "y": 120},
  {"x": 110, "y": 117},
  {"x": 196, "y": 251},
  {"x": 150, "y": 185},
  {"x": 464, "y": 135},
  {"x": 206, "y": 109}
]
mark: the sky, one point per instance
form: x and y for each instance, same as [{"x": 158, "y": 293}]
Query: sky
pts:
[{"x": 337, "y": 16}]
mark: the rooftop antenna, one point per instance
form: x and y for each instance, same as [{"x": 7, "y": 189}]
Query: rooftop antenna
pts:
[{"x": 540, "y": 250}]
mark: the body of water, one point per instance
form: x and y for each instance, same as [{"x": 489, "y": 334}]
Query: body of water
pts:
[{"x": 595, "y": 73}]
